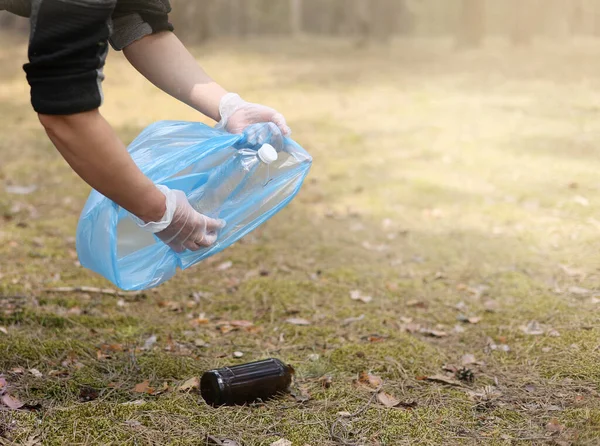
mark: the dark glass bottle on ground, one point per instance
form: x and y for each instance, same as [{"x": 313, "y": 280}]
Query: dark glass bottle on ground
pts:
[{"x": 246, "y": 383}]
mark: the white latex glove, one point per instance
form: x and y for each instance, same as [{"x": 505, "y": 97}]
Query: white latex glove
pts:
[
  {"x": 237, "y": 114},
  {"x": 182, "y": 227}
]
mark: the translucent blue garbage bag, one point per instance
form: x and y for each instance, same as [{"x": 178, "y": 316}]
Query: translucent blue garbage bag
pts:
[{"x": 188, "y": 156}]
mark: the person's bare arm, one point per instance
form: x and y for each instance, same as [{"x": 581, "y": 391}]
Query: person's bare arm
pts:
[
  {"x": 164, "y": 60},
  {"x": 91, "y": 147}
]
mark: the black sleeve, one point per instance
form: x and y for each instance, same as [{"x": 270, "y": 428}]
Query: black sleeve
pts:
[
  {"x": 135, "y": 19},
  {"x": 67, "y": 52}
]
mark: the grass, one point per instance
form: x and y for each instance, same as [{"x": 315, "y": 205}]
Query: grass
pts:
[{"x": 445, "y": 185}]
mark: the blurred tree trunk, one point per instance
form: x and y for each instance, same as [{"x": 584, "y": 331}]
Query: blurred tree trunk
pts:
[
  {"x": 296, "y": 14},
  {"x": 523, "y": 26},
  {"x": 471, "y": 24},
  {"x": 239, "y": 17}
]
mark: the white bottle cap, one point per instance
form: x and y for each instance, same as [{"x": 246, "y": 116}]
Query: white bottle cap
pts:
[{"x": 267, "y": 154}]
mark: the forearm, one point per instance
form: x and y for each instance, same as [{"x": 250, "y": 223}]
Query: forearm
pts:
[
  {"x": 91, "y": 147},
  {"x": 165, "y": 62}
]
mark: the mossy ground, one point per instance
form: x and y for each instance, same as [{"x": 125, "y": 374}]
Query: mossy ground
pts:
[{"x": 464, "y": 182}]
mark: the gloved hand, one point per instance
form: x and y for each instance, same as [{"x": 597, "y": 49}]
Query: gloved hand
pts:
[
  {"x": 237, "y": 114},
  {"x": 182, "y": 227}
]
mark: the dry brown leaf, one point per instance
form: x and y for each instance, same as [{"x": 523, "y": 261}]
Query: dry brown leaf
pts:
[
  {"x": 3, "y": 330},
  {"x": 351, "y": 320},
  {"x": 368, "y": 380},
  {"x": 469, "y": 359},
  {"x": 3, "y": 384},
  {"x": 298, "y": 321},
  {"x": 433, "y": 333},
  {"x": 18, "y": 370},
  {"x": 443, "y": 379},
  {"x": 554, "y": 426},
  {"x": 358, "y": 295},
  {"x": 410, "y": 327},
  {"x": 192, "y": 383},
  {"x": 241, "y": 324},
  {"x": 225, "y": 266},
  {"x": 388, "y": 400},
  {"x": 469, "y": 320},
  {"x": 416, "y": 303},
  {"x": 36, "y": 373},
  {"x": 11, "y": 402},
  {"x": 143, "y": 387}
]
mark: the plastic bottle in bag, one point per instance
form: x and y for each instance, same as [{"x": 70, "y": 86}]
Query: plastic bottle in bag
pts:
[{"x": 236, "y": 177}]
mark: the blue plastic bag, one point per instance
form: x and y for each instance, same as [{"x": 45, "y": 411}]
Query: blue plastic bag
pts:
[{"x": 185, "y": 156}]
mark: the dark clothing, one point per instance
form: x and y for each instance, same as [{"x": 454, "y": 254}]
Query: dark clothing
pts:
[{"x": 69, "y": 42}]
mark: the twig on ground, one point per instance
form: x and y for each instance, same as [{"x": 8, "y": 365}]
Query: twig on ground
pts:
[
  {"x": 335, "y": 437},
  {"x": 89, "y": 289}
]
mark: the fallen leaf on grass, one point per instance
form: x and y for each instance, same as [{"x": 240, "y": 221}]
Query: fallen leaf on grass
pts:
[
  {"x": 410, "y": 327},
  {"x": 36, "y": 373},
  {"x": 351, "y": 320},
  {"x": 443, "y": 379},
  {"x": 344, "y": 414},
  {"x": 392, "y": 402},
  {"x": 358, "y": 295},
  {"x": 3, "y": 385},
  {"x": 282, "y": 442},
  {"x": 387, "y": 400},
  {"x": 371, "y": 381},
  {"x": 469, "y": 359},
  {"x": 552, "y": 332},
  {"x": 149, "y": 342},
  {"x": 533, "y": 328},
  {"x": 468, "y": 320},
  {"x": 132, "y": 423},
  {"x": 225, "y": 266},
  {"x": 11, "y": 402},
  {"x": 241, "y": 324},
  {"x": 416, "y": 303},
  {"x": 554, "y": 426},
  {"x": 3, "y": 330},
  {"x": 298, "y": 321},
  {"x": 143, "y": 387},
  {"x": 433, "y": 333},
  {"x": 374, "y": 338},
  {"x": 192, "y": 383},
  {"x": 18, "y": 370},
  {"x": 228, "y": 326}
]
